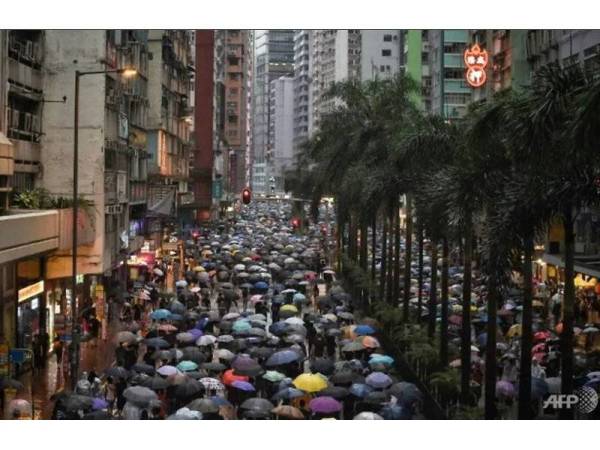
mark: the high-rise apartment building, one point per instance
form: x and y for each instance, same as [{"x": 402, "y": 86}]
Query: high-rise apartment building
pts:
[
  {"x": 169, "y": 119},
  {"x": 450, "y": 93},
  {"x": 303, "y": 41},
  {"x": 416, "y": 64},
  {"x": 273, "y": 58},
  {"x": 381, "y": 53},
  {"x": 281, "y": 130}
]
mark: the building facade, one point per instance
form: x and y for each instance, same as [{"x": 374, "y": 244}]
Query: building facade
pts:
[
  {"x": 281, "y": 131},
  {"x": 381, "y": 53},
  {"x": 273, "y": 58},
  {"x": 303, "y": 41}
]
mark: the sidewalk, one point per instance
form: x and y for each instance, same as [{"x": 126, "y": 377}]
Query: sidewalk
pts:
[{"x": 46, "y": 383}]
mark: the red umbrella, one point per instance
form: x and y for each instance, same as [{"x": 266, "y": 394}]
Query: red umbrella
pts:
[
  {"x": 229, "y": 377},
  {"x": 539, "y": 348},
  {"x": 541, "y": 336}
]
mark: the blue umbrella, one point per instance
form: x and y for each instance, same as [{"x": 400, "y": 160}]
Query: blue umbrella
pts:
[
  {"x": 241, "y": 325},
  {"x": 360, "y": 390},
  {"x": 243, "y": 386},
  {"x": 406, "y": 393},
  {"x": 381, "y": 359},
  {"x": 278, "y": 328},
  {"x": 160, "y": 314},
  {"x": 176, "y": 317},
  {"x": 396, "y": 412},
  {"x": 261, "y": 285},
  {"x": 299, "y": 298},
  {"x": 362, "y": 330},
  {"x": 282, "y": 357},
  {"x": 187, "y": 366},
  {"x": 288, "y": 393},
  {"x": 378, "y": 380},
  {"x": 220, "y": 401}
]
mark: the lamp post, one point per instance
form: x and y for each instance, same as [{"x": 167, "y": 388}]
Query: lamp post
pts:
[{"x": 74, "y": 353}]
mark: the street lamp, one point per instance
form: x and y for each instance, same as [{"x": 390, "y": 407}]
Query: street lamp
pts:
[{"x": 128, "y": 73}]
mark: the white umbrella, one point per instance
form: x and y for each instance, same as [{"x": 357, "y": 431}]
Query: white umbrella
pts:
[
  {"x": 195, "y": 289},
  {"x": 239, "y": 267},
  {"x": 158, "y": 272},
  {"x": 181, "y": 283}
]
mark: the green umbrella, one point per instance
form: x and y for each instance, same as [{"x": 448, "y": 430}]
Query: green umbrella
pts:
[{"x": 273, "y": 376}]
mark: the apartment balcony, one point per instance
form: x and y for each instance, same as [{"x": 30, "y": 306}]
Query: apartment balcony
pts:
[
  {"x": 27, "y": 151},
  {"x": 7, "y": 155},
  {"x": 24, "y": 76},
  {"x": 24, "y": 233},
  {"x": 453, "y": 60}
]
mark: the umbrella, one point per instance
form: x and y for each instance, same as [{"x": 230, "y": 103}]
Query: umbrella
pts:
[
  {"x": 289, "y": 308},
  {"x": 273, "y": 376},
  {"x": 155, "y": 383},
  {"x": 395, "y": 412},
  {"x": 360, "y": 390},
  {"x": 325, "y": 405},
  {"x": 98, "y": 415},
  {"x": 185, "y": 414},
  {"x": 231, "y": 316},
  {"x": 176, "y": 307},
  {"x": 322, "y": 365},
  {"x": 368, "y": 341},
  {"x": 139, "y": 395},
  {"x": 362, "y": 330},
  {"x": 225, "y": 338},
  {"x": 367, "y": 415},
  {"x": 229, "y": 377},
  {"x": 406, "y": 393},
  {"x": 381, "y": 359},
  {"x": 211, "y": 384},
  {"x": 241, "y": 326},
  {"x": 188, "y": 389},
  {"x": 187, "y": 366},
  {"x": 282, "y": 357},
  {"x": 99, "y": 403},
  {"x": 11, "y": 384},
  {"x": 181, "y": 283},
  {"x": 288, "y": 411},
  {"x": 244, "y": 386},
  {"x": 246, "y": 366},
  {"x": 143, "y": 368},
  {"x": 288, "y": 393},
  {"x": 345, "y": 377},
  {"x": 158, "y": 272},
  {"x": 310, "y": 382},
  {"x": 185, "y": 337},
  {"x": 336, "y": 392},
  {"x": 294, "y": 321},
  {"x": 353, "y": 347},
  {"x": 75, "y": 402},
  {"x": 117, "y": 372},
  {"x": 379, "y": 380},
  {"x": 299, "y": 298},
  {"x": 204, "y": 405},
  {"x": 160, "y": 314},
  {"x": 193, "y": 354},
  {"x": 206, "y": 340},
  {"x": 167, "y": 370},
  {"x": 126, "y": 336},
  {"x": 505, "y": 388},
  {"x": 225, "y": 354},
  {"x": 257, "y": 404}
]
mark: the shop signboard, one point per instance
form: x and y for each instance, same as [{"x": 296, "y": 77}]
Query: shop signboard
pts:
[
  {"x": 4, "y": 362},
  {"x": 31, "y": 291}
]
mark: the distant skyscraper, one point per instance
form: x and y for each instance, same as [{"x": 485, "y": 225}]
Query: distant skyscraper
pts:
[{"x": 273, "y": 58}]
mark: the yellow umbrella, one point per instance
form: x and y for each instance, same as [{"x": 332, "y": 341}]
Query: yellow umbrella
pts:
[
  {"x": 199, "y": 269},
  {"x": 515, "y": 330},
  {"x": 310, "y": 382},
  {"x": 349, "y": 332},
  {"x": 290, "y": 308},
  {"x": 537, "y": 304}
]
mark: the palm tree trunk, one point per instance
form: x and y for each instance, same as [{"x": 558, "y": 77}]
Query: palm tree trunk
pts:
[
  {"x": 525, "y": 411},
  {"x": 373, "y": 255},
  {"x": 363, "y": 254},
  {"x": 566, "y": 337},
  {"x": 491, "y": 367},
  {"x": 444, "y": 324},
  {"x": 396, "y": 252},
  {"x": 420, "y": 279},
  {"x": 340, "y": 244},
  {"x": 384, "y": 249},
  {"x": 390, "y": 268},
  {"x": 407, "y": 257},
  {"x": 465, "y": 351},
  {"x": 433, "y": 290}
]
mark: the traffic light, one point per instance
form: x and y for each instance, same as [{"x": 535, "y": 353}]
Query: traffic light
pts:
[
  {"x": 295, "y": 223},
  {"x": 246, "y": 196}
]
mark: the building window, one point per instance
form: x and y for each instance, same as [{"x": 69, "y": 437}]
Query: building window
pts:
[
  {"x": 387, "y": 38},
  {"x": 386, "y": 52}
]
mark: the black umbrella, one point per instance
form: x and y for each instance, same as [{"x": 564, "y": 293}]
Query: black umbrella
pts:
[
  {"x": 322, "y": 365},
  {"x": 194, "y": 354},
  {"x": 98, "y": 415},
  {"x": 336, "y": 392},
  {"x": 246, "y": 366},
  {"x": 156, "y": 383},
  {"x": 143, "y": 368},
  {"x": 261, "y": 352},
  {"x": 346, "y": 377},
  {"x": 156, "y": 343},
  {"x": 214, "y": 366},
  {"x": 376, "y": 398},
  {"x": 75, "y": 402},
  {"x": 117, "y": 372},
  {"x": 189, "y": 389},
  {"x": 197, "y": 374}
]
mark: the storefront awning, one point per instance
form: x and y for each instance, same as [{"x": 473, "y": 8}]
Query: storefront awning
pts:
[
  {"x": 164, "y": 206},
  {"x": 585, "y": 269}
]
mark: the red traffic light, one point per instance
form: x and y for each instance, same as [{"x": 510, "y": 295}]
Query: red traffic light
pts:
[
  {"x": 246, "y": 196},
  {"x": 295, "y": 222}
]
